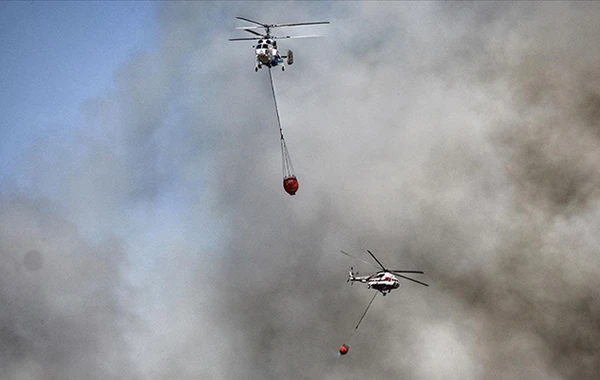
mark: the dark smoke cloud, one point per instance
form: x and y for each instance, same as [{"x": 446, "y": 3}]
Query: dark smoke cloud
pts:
[{"x": 481, "y": 171}]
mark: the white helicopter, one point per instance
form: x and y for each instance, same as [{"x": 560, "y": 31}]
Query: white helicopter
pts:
[
  {"x": 266, "y": 50},
  {"x": 385, "y": 280}
]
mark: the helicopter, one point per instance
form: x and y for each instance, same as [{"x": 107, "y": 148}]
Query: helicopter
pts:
[
  {"x": 266, "y": 50},
  {"x": 384, "y": 280}
]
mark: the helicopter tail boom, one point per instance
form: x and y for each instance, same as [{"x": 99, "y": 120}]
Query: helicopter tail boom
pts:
[{"x": 352, "y": 276}]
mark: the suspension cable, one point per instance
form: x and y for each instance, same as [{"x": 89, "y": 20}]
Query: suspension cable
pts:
[
  {"x": 365, "y": 313},
  {"x": 275, "y": 101},
  {"x": 286, "y": 161}
]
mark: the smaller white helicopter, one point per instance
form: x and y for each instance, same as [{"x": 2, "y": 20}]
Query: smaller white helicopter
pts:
[
  {"x": 266, "y": 51},
  {"x": 385, "y": 280}
]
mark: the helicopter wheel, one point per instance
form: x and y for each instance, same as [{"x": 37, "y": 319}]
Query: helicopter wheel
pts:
[
  {"x": 256, "y": 69},
  {"x": 282, "y": 68}
]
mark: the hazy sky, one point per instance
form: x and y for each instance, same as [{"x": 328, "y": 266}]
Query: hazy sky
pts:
[{"x": 145, "y": 233}]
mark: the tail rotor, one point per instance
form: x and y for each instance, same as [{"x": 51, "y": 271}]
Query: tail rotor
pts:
[{"x": 351, "y": 276}]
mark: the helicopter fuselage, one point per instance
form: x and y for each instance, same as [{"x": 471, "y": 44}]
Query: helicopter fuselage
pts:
[
  {"x": 267, "y": 54},
  {"x": 382, "y": 281}
]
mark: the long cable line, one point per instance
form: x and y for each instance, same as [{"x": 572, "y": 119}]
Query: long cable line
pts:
[
  {"x": 365, "y": 313},
  {"x": 275, "y": 101},
  {"x": 290, "y": 183}
]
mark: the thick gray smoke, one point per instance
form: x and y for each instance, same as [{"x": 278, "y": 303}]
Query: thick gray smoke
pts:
[{"x": 462, "y": 139}]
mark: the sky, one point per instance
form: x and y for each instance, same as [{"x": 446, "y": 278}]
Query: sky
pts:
[{"x": 145, "y": 233}]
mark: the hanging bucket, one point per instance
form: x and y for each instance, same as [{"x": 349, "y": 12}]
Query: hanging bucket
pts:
[
  {"x": 344, "y": 349},
  {"x": 290, "y": 184}
]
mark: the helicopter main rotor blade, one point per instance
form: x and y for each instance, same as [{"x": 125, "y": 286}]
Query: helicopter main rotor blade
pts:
[
  {"x": 254, "y": 22},
  {"x": 378, "y": 262},
  {"x": 286, "y": 37},
  {"x": 299, "y": 24},
  {"x": 356, "y": 258},
  {"x": 406, "y": 271},
  {"x": 411, "y": 279},
  {"x": 253, "y": 32},
  {"x": 245, "y": 39}
]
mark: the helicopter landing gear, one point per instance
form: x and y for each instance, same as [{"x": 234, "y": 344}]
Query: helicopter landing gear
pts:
[
  {"x": 282, "y": 68},
  {"x": 255, "y": 69}
]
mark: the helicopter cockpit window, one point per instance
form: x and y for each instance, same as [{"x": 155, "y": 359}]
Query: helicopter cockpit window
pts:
[{"x": 265, "y": 46}]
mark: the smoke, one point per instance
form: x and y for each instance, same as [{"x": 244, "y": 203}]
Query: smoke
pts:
[
  {"x": 63, "y": 301},
  {"x": 462, "y": 142},
  {"x": 460, "y": 139}
]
